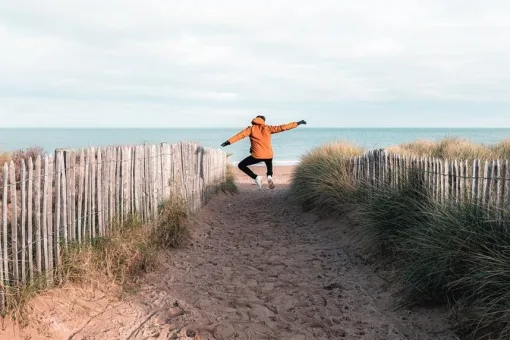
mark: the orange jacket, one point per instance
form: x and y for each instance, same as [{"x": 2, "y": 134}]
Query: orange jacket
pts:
[{"x": 260, "y": 137}]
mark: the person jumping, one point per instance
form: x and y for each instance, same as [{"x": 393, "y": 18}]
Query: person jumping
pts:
[{"x": 261, "y": 149}]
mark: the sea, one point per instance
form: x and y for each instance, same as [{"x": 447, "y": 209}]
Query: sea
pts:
[{"x": 288, "y": 146}]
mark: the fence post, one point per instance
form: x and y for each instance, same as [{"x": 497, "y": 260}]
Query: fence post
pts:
[
  {"x": 4, "y": 226},
  {"x": 23, "y": 222},
  {"x": 30, "y": 202}
]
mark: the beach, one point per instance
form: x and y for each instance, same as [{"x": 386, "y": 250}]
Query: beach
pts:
[{"x": 257, "y": 267}]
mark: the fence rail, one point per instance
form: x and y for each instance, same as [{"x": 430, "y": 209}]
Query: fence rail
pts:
[
  {"x": 483, "y": 182},
  {"x": 75, "y": 195}
]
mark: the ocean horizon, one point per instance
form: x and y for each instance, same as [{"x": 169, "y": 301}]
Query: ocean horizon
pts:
[{"x": 288, "y": 146}]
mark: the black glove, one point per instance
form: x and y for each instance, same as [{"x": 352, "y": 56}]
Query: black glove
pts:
[
  {"x": 301, "y": 122},
  {"x": 225, "y": 144}
]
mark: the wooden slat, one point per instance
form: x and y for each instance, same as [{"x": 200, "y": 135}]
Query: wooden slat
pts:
[
  {"x": 111, "y": 187},
  {"x": 58, "y": 199},
  {"x": 23, "y": 241},
  {"x": 64, "y": 218},
  {"x": 154, "y": 180},
  {"x": 463, "y": 174},
  {"x": 30, "y": 205},
  {"x": 44, "y": 214},
  {"x": 93, "y": 193},
  {"x": 87, "y": 233},
  {"x": 165, "y": 154},
  {"x": 72, "y": 188},
  {"x": 14, "y": 222},
  {"x": 81, "y": 193},
  {"x": 455, "y": 181},
  {"x": 122, "y": 178},
  {"x": 68, "y": 201},
  {"x": 5, "y": 224},
  {"x": 497, "y": 186},
  {"x": 475, "y": 185},
  {"x": 487, "y": 183},
  {"x": 145, "y": 181},
  {"x": 117, "y": 156},
  {"x": 49, "y": 216},
  {"x": 504, "y": 184},
  {"x": 38, "y": 213},
  {"x": 100, "y": 193},
  {"x": 3, "y": 217},
  {"x": 137, "y": 178}
]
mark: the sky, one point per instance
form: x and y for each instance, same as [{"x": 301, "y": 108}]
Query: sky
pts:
[{"x": 150, "y": 63}]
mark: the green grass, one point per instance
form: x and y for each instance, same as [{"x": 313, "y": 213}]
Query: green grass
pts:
[{"x": 452, "y": 255}]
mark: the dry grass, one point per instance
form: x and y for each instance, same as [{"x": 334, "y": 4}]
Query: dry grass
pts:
[
  {"x": 128, "y": 252},
  {"x": 229, "y": 185},
  {"x": 17, "y": 297},
  {"x": 171, "y": 227},
  {"x": 454, "y": 148},
  {"x": 102, "y": 263},
  {"x": 5, "y": 157}
]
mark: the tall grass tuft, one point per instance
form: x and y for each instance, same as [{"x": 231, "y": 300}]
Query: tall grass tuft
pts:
[
  {"x": 386, "y": 214},
  {"x": 171, "y": 229},
  {"x": 125, "y": 254},
  {"x": 229, "y": 185},
  {"x": 322, "y": 180}
]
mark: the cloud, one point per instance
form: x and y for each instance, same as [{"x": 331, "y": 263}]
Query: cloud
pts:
[{"x": 119, "y": 63}]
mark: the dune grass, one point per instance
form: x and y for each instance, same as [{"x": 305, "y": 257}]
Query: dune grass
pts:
[
  {"x": 229, "y": 185},
  {"x": 454, "y": 148},
  {"x": 452, "y": 255},
  {"x": 321, "y": 182}
]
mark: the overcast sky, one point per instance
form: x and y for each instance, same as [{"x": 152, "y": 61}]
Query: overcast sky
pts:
[{"x": 219, "y": 63}]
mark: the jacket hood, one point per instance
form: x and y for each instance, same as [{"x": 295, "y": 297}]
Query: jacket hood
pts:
[{"x": 258, "y": 121}]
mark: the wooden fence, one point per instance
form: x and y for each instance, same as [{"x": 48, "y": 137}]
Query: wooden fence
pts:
[
  {"x": 73, "y": 196},
  {"x": 483, "y": 182}
]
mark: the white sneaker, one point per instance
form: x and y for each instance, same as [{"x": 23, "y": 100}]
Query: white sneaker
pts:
[
  {"x": 270, "y": 181},
  {"x": 258, "y": 181}
]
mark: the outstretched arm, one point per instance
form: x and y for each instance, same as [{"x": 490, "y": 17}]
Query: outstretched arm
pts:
[
  {"x": 285, "y": 127},
  {"x": 243, "y": 134}
]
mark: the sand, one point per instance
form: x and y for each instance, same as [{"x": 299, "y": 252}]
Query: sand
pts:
[{"x": 256, "y": 268}]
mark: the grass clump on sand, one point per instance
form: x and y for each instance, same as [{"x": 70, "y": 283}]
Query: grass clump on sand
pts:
[
  {"x": 171, "y": 228},
  {"x": 116, "y": 259},
  {"x": 455, "y": 255},
  {"x": 322, "y": 181},
  {"x": 229, "y": 185},
  {"x": 128, "y": 251}
]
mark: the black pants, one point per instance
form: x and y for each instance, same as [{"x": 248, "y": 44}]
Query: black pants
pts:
[{"x": 245, "y": 163}]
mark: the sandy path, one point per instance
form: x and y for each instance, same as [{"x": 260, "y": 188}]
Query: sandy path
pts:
[{"x": 258, "y": 268}]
